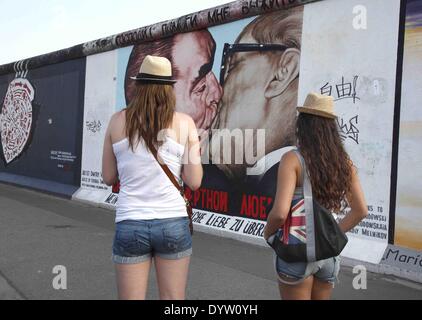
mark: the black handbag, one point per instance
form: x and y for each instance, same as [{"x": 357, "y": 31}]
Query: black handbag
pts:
[{"x": 310, "y": 232}]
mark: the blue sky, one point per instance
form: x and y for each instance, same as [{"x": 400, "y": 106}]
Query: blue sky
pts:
[{"x": 29, "y": 28}]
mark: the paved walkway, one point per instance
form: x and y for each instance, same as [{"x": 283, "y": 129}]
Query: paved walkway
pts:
[{"x": 39, "y": 232}]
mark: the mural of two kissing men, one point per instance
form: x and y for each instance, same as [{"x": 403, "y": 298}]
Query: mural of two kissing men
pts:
[{"x": 257, "y": 91}]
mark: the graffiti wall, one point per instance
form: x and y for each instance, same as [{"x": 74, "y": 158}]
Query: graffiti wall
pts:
[
  {"x": 40, "y": 126},
  {"x": 225, "y": 61}
]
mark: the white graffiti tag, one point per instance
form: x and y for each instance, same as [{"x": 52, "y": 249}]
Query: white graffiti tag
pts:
[{"x": 16, "y": 118}]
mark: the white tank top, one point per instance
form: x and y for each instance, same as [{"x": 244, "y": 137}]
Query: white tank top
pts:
[{"x": 145, "y": 190}]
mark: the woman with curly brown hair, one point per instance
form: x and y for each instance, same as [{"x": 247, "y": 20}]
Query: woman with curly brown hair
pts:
[{"x": 335, "y": 186}]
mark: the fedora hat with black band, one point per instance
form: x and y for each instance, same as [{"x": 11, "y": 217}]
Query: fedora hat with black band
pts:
[
  {"x": 155, "y": 70},
  {"x": 318, "y": 105}
]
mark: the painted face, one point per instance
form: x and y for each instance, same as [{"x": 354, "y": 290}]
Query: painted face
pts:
[
  {"x": 244, "y": 105},
  {"x": 197, "y": 89}
]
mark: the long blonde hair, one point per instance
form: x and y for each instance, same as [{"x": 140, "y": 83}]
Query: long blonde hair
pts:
[{"x": 150, "y": 111}]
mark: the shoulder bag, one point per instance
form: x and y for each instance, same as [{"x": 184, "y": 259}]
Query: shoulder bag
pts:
[{"x": 310, "y": 232}]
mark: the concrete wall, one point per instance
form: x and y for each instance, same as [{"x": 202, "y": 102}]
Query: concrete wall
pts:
[{"x": 366, "y": 53}]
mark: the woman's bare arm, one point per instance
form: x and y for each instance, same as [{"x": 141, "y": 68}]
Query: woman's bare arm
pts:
[
  {"x": 359, "y": 209},
  {"x": 286, "y": 184},
  {"x": 192, "y": 167},
  {"x": 109, "y": 163}
]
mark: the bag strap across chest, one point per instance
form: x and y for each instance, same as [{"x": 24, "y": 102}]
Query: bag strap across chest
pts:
[
  {"x": 167, "y": 171},
  {"x": 309, "y": 209}
]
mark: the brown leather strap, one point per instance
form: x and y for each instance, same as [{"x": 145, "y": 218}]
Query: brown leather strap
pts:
[
  {"x": 176, "y": 184},
  {"x": 167, "y": 171}
]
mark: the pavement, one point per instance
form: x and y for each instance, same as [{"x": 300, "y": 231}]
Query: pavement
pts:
[{"x": 39, "y": 232}]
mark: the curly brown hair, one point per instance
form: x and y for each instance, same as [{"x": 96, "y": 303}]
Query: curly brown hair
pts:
[
  {"x": 150, "y": 112},
  {"x": 328, "y": 164}
]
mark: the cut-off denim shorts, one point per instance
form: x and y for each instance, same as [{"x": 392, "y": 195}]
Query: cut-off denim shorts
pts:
[
  {"x": 137, "y": 241},
  {"x": 294, "y": 273}
]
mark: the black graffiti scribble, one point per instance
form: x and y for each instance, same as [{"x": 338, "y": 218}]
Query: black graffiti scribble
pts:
[
  {"x": 344, "y": 90},
  {"x": 219, "y": 15},
  {"x": 349, "y": 130},
  {"x": 196, "y": 21},
  {"x": 142, "y": 34},
  {"x": 326, "y": 89},
  {"x": 264, "y": 5},
  {"x": 93, "y": 126},
  {"x": 182, "y": 24}
]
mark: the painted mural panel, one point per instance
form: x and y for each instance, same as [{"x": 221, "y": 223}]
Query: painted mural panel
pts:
[
  {"x": 40, "y": 122},
  {"x": 225, "y": 82},
  {"x": 408, "y": 231},
  {"x": 230, "y": 199},
  {"x": 256, "y": 116},
  {"x": 16, "y": 118},
  {"x": 345, "y": 56}
]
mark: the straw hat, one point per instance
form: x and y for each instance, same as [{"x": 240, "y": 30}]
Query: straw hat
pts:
[
  {"x": 155, "y": 70},
  {"x": 318, "y": 105}
]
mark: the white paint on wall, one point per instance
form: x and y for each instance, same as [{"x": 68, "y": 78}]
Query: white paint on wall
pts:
[{"x": 100, "y": 101}]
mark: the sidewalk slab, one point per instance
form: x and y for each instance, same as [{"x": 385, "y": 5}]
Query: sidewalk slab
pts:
[{"x": 39, "y": 232}]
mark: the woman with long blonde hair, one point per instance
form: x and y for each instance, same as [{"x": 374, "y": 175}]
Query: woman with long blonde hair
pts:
[{"x": 152, "y": 222}]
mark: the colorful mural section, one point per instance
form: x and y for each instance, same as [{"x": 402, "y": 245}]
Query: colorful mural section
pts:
[
  {"x": 40, "y": 126},
  {"x": 53, "y": 118},
  {"x": 408, "y": 228},
  {"x": 226, "y": 81},
  {"x": 240, "y": 182}
]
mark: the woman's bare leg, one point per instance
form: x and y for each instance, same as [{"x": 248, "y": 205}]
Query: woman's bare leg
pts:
[
  {"x": 321, "y": 290},
  {"x": 301, "y": 291},
  {"x": 172, "y": 276},
  {"x": 132, "y": 280}
]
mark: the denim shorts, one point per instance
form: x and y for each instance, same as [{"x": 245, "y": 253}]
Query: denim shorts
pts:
[
  {"x": 294, "y": 273},
  {"x": 137, "y": 241}
]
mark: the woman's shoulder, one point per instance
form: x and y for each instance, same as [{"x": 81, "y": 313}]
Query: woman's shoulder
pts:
[
  {"x": 117, "y": 123},
  {"x": 180, "y": 117},
  {"x": 290, "y": 157},
  {"x": 290, "y": 161},
  {"x": 118, "y": 116},
  {"x": 183, "y": 122}
]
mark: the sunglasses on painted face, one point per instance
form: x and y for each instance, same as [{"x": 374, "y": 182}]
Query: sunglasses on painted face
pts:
[{"x": 230, "y": 49}]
